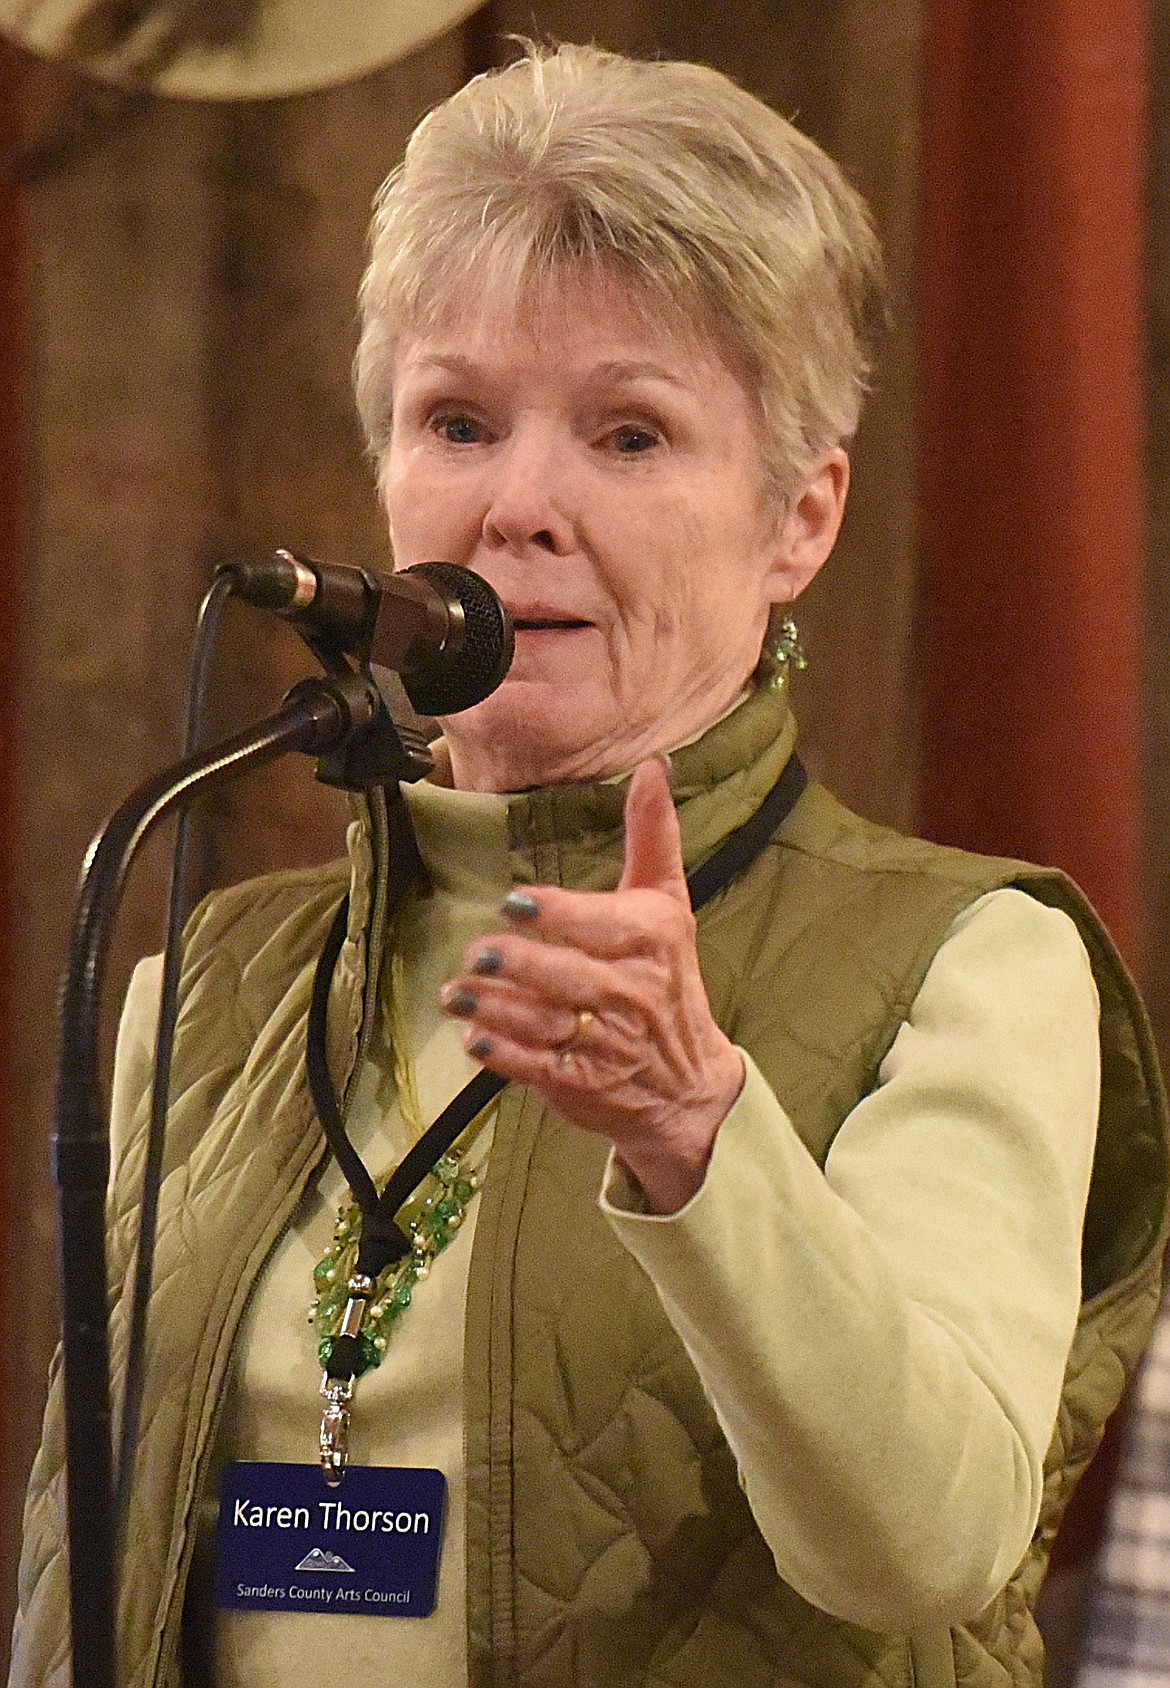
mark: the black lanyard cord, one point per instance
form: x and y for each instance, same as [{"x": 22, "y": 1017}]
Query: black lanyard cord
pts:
[
  {"x": 741, "y": 847},
  {"x": 382, "y": 1239}
]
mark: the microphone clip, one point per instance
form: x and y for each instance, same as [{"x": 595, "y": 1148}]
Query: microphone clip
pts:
[{"x": 391, "y": 746}]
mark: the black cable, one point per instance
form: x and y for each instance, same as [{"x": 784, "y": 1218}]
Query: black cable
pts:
[
  {"x": 202, "y": 657},
  {"x": 317, "y": 717}
]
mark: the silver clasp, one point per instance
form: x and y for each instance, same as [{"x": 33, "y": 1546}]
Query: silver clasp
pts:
[{"x": 337, "y": 1393}]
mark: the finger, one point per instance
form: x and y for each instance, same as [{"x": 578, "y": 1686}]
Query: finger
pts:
[
  {"x": 609, "y": 924},
  {"x": 559, "y": 973},
  {"x": 518, "y": 1015},
  {"x": 563, "y": 973},
  {"x": 519, "y": 1061},
  {"x": 654, "y": 859}
]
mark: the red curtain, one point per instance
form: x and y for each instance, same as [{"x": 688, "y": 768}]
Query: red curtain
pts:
[
  {"x": 1034, "y": 182},
  {"x": 1032, "y": 484}
]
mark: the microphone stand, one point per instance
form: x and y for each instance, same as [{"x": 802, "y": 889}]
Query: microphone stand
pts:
[{"x": 344, "y": 721}]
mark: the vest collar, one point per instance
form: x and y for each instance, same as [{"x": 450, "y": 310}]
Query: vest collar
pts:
[
  {"x": 572, "y": 834},
  {"x": 462, "y": 839}
]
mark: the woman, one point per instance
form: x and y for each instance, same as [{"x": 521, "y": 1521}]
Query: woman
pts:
[{"x": 744, "y": 1363}]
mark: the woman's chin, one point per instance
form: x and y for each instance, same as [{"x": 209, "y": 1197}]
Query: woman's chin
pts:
[{"x": 529, "y": 733}]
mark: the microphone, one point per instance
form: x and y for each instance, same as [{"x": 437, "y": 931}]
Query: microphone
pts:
[{"x": 437, "y": 625}]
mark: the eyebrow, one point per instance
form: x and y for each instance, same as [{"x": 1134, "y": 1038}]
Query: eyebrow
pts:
[
  {"x": 454, "y": 363},
  {"x": 636, "y": 370},
  {"x": 618, "y": 370}
]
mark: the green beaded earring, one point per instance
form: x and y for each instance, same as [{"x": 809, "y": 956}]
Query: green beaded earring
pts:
[{"x": 782, "y": 654}]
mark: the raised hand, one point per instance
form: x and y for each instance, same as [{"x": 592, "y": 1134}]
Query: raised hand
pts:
[{"x": 595, "y": 1000}]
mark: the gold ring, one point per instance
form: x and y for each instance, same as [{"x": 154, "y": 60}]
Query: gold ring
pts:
[{"x": 585, "y": 1018}]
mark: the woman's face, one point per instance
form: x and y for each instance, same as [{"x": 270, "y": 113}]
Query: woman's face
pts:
[{"x": 606, "y": 479}]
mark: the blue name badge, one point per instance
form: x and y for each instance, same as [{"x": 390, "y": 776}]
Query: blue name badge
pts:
[{"x": 288, "y": 1542}]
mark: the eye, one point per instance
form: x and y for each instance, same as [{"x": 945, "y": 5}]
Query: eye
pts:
[
  {"x": 458, "y": 429},
  {"x": 631, "y": 439}
]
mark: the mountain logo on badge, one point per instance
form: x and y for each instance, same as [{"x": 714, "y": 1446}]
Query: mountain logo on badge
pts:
[{"x": 320, "y": 1559}]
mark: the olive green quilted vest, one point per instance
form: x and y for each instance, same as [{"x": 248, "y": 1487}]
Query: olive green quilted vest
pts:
[{"x": 608, "y": 1539}]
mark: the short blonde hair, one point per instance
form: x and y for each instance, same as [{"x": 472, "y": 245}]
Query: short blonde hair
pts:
[{"x": 665, "y": 174}]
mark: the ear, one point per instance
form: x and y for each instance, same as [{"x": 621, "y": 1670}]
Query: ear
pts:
[{"x": 809, "y": 524}]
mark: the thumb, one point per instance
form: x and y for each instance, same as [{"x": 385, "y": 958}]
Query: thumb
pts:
[{"x": 654, "y": 858}]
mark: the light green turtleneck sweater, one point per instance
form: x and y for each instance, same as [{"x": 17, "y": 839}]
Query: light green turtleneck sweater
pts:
[{"x": 990, "y": 1086}]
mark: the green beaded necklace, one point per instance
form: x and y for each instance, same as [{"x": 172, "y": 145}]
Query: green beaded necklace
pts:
[
  {"x": 432, "y": 1219},
  {"x": 432, "y": 1216}
]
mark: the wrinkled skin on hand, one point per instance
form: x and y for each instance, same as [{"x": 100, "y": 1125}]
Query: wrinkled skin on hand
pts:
[{"x": 651, "y": 1071}]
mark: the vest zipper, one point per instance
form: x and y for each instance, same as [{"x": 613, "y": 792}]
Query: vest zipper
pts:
[{"x": 375, "y": 935}]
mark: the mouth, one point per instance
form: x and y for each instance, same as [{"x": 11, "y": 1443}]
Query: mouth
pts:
[{"x": 547, "y": 624}]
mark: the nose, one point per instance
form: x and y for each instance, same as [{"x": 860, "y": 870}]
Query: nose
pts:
[{"x": 527, "y": 499}]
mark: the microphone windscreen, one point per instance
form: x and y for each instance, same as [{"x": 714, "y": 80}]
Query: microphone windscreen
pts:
[{"x": 456, "y": 680}]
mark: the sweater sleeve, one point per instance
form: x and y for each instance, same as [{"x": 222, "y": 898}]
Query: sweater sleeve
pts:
[{"x": 884, "y": 1342}]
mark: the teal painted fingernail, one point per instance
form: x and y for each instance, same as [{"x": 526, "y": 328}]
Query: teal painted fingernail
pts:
[
  {"x": 460, "y": 1001},
  {"x": 517, "y": 905},
  {"x": 488, "y": 962},
  {"x": 480, "y": 1047}
]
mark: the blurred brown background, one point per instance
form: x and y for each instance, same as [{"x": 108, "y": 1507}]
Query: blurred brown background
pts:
[{"x": 989, "y": 652}]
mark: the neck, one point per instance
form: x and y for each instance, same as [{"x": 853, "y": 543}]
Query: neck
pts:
[{"x": 477, "y": 767}]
